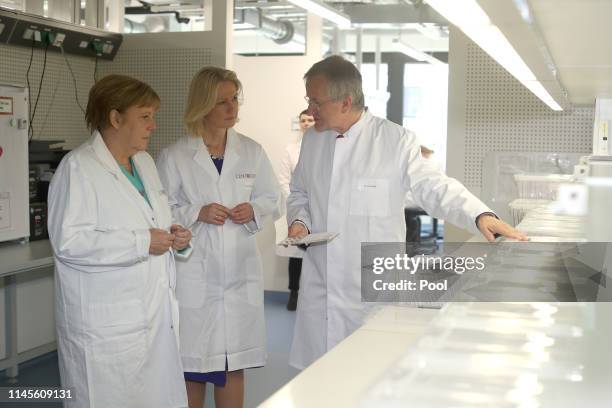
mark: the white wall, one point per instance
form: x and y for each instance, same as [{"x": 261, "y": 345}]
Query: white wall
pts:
[{"x": 273, "y": 96}]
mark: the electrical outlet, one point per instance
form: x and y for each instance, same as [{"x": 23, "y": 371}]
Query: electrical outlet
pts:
[
  {"x": 48, "y": 37},
  {"x": 108, "y": 48},
  {"x": 30, "y": 33},
  {"x": 41, "y": 32},
  {"x": 59, "y": 39},
  {"x": 97, "y": 47}
]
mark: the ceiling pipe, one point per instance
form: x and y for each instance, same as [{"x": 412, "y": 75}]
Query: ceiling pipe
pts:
[
  {"x": 153, "y": 24},
  {"x": 280, "y": 31}
]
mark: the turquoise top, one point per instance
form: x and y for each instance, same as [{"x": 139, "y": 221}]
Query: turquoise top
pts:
[{"x": 135, "y": 180}]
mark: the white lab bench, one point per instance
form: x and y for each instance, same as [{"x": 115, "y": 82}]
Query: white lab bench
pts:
[
  {"x": 370, "y": 358},
  {"x": 339, "y": 377},
  {"x": 407, "y": 356},
  {"x": 15, "y": 259}
]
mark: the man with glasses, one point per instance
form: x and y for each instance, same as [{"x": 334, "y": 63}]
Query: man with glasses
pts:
[{"x": 351, "y": 178}]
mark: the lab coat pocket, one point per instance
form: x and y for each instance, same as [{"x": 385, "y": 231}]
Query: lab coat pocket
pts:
[
  {"x": 244, "y": 188},
  {"x": 191, "y": 284},
  {"x": 129, "y": 313},
  {"x": 246, "y": 182},
  {"x": 115, "y": 367},
  {"x": 255, "y": 292},
  {"x": 370, "y": 197},
  {"x": 254, "y": 281},
  {"x": 106, "y": 228}
]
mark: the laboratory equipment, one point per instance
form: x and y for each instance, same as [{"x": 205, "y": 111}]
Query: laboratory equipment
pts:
[
  {"x": 601, "y": 128},
  {"x": 14, "y": 194}
]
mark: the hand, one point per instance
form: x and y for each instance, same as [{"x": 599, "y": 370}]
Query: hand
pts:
[
  {"x": 242, "y": 213},
  {"x": 489, "y": 226},
  {"x": 161, "y": 241},
  {"x": 214, "y": 213},
  {"x": 182, "y": 236},
  {"x": 297, "y": 230}
]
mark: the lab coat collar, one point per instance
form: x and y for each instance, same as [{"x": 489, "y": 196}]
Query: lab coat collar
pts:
[
  {"x": 230, "y": 157},
  {"x": 108, "y": 161},
  {"x": 152, "y": 188},
  {"x": 232, "y": 150},
  {"x": 202, "y": 157},
  {"x": 104, "y": 155},
  {"x": 355, "y": 130}
]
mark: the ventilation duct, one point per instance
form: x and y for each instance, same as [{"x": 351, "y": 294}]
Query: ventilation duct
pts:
[
  {"x": 280, "y": 32},
  {"x": 153, "y": 24}
]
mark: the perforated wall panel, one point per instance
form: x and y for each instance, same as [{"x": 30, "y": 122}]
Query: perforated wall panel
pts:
[
  {"x": 502, "y": 115},
  {"x": 169, "y": 72},
  {"x": 57, "y": 113}
]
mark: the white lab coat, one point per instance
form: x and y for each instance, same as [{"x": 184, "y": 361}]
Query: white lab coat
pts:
[
  {"x": 355, "y": 186},
  {"x": 292, "y": 154},
  {"x": 220, "y": 288},
  {"x": 115, "y": 308}
]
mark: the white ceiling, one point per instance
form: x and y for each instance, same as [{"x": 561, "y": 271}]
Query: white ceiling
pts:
[{"x": 578, "y": 34}]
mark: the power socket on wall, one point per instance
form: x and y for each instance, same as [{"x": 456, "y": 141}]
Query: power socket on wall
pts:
[{"x": 33, "y": 31}]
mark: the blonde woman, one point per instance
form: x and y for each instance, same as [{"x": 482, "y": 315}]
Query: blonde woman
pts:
[{"x": 222, "y": 184}]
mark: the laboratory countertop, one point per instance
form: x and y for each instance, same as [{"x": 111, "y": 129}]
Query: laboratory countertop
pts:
[
  {"x": 18, "y": 257},
  {"x": 462, "y": 354},
  {"x": 474, "y": 353},
  {"x": 504, "y": 355},
  {"x": 332, "y": 381}
]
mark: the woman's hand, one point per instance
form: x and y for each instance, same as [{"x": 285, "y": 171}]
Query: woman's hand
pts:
[
  {"x": 242, "y": 213},
  {"x": 182, "y": 236},
  {"x": 214, "y": 213},
  {"x": 161, "y": 241}
]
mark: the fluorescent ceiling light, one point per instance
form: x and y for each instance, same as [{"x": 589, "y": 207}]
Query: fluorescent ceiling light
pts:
[
  {"x": 469, "y": 17},
  {"x": 432, "y": 31},
  {"x": 324, "y": 11},
  {"x": 538, "y": 90},
  {"x": 414, "y": 53},
  {"x": 460, "y": 12}
]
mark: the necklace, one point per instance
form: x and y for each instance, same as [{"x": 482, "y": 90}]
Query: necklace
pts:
[
  {"x": 215, "y": 150},
  {"x": 215, "y": 157}
]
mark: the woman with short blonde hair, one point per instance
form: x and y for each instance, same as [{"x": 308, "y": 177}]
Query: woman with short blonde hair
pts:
[
  {"x": 203, "y": 95},
  {"x": 221, "y": 183}
]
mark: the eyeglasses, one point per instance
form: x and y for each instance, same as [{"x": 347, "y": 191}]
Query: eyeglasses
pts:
[{"x": 315, "y": 104}]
